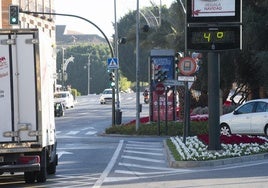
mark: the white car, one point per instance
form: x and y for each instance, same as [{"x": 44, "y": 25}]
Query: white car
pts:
[
  {"x": 106, "y": 96},
  {"x": 249, "y": 118},
  {"x": 65, "y": 97}
]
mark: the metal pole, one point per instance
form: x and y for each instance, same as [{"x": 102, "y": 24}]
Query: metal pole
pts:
[
  {"x": 160, "y": 13},
  {"x": 166, "y": 110},
  {"x": 186, "y": 93},
  {"x": 75, "y": 16},
  {"x": 117, "y": 72},
  {"x": 62, "y": 69},
  {"x": 158, "y": 114},
  {"x": 213, "y": 101},
  {"x": 88, "y": 75},
  {"x": 137, "y": 67}
]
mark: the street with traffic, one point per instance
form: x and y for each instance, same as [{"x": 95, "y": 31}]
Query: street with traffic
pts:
[{"x": 90, "y": 158}]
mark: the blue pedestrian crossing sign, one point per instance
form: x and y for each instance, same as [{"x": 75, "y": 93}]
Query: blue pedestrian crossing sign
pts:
[{"x": 112, "y": 63}]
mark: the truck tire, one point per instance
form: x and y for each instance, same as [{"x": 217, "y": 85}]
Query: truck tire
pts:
[
  {"x": 29, "y": 177},
  {"x": 42, "y": 174},
  {"x": 51, "y": 169}
]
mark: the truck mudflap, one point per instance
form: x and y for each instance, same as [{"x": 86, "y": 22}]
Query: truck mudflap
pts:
[{"x": 23, "y": 164}]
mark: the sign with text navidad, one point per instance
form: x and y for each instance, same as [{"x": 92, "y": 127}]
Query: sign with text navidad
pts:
[{"x": 213, "y": 11}]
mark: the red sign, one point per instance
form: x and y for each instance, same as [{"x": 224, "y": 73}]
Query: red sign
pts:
[
  {"x": 187, "y": 66},
  {"x": 162, "y": 106},
  {"x": 160, "y": 89}
]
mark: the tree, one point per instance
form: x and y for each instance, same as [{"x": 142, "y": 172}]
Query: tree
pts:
[{"x": 78, "y": 70}]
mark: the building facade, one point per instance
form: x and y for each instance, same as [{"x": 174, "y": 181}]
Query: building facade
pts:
[{"x": 44, "y": 22}]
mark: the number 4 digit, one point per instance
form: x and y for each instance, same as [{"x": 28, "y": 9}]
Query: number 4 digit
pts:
[{"x": 207, "y": 36}]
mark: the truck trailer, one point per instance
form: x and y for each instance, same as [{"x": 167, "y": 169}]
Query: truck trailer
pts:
[{"x": 27, "y": 125}]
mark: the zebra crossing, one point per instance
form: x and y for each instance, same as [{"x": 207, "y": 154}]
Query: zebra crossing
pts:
[
  {"x": 141, "y": 160},
  {"x": 90, "y": 131}
]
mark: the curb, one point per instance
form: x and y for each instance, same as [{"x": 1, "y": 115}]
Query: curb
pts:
[{"x": 218, "y": 162}]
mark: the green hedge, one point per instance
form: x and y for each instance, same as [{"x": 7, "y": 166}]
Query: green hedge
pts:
[{"x": 173, "y": 128}]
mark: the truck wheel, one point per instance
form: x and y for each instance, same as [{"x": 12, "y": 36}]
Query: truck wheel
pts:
[
  {"x": 51, "y": 169},
  {"x": 42, "y": 174},
  {"x": 29, "y": 177}
]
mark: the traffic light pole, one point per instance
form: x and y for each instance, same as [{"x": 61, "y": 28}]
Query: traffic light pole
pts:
[
  {"x": 213, "y": 100},
  {"x": 75, "y": 16},
  {"x": 113, "y": 106}
]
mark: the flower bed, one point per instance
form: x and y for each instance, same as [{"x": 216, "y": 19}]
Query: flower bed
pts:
[{"x": 196, "y": 147}]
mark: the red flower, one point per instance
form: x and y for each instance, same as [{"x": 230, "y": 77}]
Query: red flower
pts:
[{"x": 234, "y": 139}]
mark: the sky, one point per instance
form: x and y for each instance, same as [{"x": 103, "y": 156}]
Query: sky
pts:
[{"x": 100, "y": 12}]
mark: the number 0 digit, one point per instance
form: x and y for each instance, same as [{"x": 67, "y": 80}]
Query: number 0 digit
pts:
[{"x": 220, "y": 35}]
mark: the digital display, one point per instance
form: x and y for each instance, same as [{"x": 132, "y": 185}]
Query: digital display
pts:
[
  {"x": 213, "y": 37},
  {"x": 219, "y": 38}
]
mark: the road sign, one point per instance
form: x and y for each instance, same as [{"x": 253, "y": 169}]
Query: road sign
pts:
[
  {"x": 186, "y": 78},
  {"x": 112, "y": 63},
  {"x": 173, "y": 83},
  {"x": 187, "y": 66},
  {"x": 160, "y": 89},
  {"x": 199, "y": 11}
]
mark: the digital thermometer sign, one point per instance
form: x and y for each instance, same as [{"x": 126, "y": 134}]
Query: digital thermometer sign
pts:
[{"x": 220, "y": 38}]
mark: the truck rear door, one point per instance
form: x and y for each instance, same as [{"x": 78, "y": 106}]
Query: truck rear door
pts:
[{"x": 18, "y": 87}]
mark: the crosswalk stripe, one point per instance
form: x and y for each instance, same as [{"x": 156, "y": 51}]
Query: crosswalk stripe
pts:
[
  {"x": 146, "y": 167},
  {"x": 143, "y": 159},
  {"x": 144, "y": 143},
  {"x": 91, "y": 132},
  {"x": 145, "y": 153},
  {"x": 72, "y": 133},
  {"x": 144, "y": 148}
]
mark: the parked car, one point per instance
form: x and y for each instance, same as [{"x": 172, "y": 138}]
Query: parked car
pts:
[
  {"x": 249, "y": 118},
  {"x": 106, "y": 96},
  {"x": 64, "y": 97},
  {"x": 58, "y": 109}
]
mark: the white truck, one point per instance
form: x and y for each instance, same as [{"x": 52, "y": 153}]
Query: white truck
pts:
[{"x": 27, "y": 126}]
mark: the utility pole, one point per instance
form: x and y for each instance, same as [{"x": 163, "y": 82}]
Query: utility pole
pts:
[
  {"x": 88, "y": 75},
  {"x": 137, "y": 67}
]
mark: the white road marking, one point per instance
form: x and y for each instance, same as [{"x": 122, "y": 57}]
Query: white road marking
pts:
[
  {"x": 60, "y": 153},
  {"x": 144, "y": 148},
  {"x": 152, "y": 167},
  {"x": 142, "y": 173},
  {"x": 72, "y": 132},
  {"x": 109, "y": 167},
  {"x": 145, "y": 143},
  {"x": 144, "y": 153},
  {"x": 143, "y": 159},
  {"x": 91, "y": 132}
]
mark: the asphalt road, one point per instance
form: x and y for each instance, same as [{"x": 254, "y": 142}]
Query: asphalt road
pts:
[{"x": 87, "y": 158}]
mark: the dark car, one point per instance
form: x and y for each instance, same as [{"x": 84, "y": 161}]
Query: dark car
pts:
[{"x": 58, "y": 109}]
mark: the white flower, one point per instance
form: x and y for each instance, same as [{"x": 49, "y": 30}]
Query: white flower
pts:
[{"x": 194, "y": 149}]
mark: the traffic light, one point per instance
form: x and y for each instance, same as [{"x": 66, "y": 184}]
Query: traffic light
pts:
[
  {"x": 178, "y": 57},
  {"x": 13, "y": 14},
  {"x": 112, "y": 79},
  {"x": 160, "y": 76}
]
